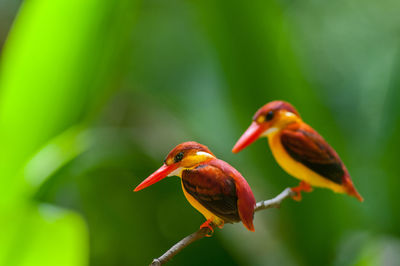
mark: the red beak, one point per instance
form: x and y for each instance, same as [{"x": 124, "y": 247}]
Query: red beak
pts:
[
  {"x": 249, "y": 136},
  {"x": 161, "y": 173}
]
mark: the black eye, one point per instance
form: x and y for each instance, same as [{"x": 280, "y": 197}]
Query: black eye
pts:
[
  {"x": 178, "y": 157},
  {"x": 269, "y": 116}
]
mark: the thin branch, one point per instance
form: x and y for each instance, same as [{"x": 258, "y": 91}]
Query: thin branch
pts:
[
  {"x": 275, "y": 202},
  {"x": 175, "y": 249}
]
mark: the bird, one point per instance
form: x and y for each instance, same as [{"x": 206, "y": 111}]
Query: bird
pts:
[
  {"x": 212, "y": 186},
  {"x": 300, "y": 150}
]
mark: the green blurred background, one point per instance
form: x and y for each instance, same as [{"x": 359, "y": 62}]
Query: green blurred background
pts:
[{"x": 94, "y": 94}]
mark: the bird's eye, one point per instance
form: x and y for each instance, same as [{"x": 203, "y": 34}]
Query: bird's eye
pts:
[
  {"x": 269, "y": 116},
  {"x": 178, "y": 157}
]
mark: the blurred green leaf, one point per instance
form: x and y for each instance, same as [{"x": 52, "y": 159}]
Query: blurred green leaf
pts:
[
  {"x": 52, "y": 77},
  {"x": 44, "y": 235}
]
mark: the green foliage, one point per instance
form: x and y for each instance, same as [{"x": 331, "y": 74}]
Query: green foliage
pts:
[
  {"x": 95, "y": 93},
  {"x": 50, "y": 67}
]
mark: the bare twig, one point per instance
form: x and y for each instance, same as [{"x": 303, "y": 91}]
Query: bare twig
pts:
[
  {"x": 275, "y": 202},
  {"x": 175, "y": 249}
]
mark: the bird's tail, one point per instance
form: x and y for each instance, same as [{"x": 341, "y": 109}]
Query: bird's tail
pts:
[
  {"x": 246, "y": 204},
  {"x": 351, "y": 190}
]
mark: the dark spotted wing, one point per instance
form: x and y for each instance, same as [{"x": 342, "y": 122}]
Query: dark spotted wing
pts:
[
  {"x": 213, "y": 189},
  {"x": 306, "y": 146}
]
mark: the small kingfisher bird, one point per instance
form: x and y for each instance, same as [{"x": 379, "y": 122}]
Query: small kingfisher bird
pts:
[
  {"x": 212, "y": 186},
  {"x": 298, "y": 149}
]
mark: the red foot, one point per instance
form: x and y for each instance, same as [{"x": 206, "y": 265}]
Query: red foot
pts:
[
  {"x": 303, "y": 186},
  {"x": 208, "y": 224}
]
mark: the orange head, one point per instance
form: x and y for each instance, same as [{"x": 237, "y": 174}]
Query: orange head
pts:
[
  {"x": 269, "y": 119},
  {"x": 185, "y": 155}
]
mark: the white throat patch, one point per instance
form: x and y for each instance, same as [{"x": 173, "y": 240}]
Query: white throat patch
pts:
[
  {"x": 176, "y": 172},
  {"x": 269, "y": 131}
]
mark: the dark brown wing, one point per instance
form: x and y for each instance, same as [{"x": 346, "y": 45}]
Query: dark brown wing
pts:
[
  {"x": 306, "y": 146},
  {"x": 213, "y": 189}
]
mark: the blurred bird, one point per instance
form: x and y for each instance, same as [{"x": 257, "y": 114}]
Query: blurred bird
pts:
[
  {"x": 298, "y": 149},
  {"x": 212, "y": 186}
]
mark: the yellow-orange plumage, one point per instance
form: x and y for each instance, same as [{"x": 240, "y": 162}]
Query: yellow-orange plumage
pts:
[
  {"x": 296, "y": 168},
  {"x": 298, "y": 149}
]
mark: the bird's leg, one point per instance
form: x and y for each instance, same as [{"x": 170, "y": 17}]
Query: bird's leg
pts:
[
  {"x": 303, "y": 186},
  {"x": 208, "y": 224}
]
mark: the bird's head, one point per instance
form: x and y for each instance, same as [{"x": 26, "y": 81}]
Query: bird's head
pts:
[
  {"x": 268, "y": 120},
  {"x": 185, "y": 155}
]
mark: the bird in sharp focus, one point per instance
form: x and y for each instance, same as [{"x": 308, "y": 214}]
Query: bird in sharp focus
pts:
[
  {"x": 212, "y": 186},
  {"x": 298, "y": 149}
]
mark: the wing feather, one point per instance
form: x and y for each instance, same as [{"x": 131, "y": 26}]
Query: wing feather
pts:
[
  {"x": 306, "y": 146},
  {"x": 214, "y": 189}
]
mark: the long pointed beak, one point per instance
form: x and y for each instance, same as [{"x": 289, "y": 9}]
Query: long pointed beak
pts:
[
  {"x": 249, "y": 136},
  {"x": 161, "y": 173}
]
